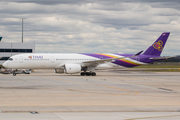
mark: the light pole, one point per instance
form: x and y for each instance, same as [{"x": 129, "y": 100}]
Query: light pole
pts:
[{"x": 22, "y": 27}]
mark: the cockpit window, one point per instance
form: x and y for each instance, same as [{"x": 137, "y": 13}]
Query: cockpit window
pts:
[{"x": 10, "y": 59}]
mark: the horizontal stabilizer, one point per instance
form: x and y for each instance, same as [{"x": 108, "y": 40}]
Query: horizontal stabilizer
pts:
[{"x": 162, "y": 58}]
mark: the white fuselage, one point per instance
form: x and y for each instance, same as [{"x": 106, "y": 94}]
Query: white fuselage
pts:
[{"x": 51, "y": 61}]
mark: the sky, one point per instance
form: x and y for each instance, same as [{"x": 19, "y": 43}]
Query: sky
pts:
[{"x": 91, "y": 26}]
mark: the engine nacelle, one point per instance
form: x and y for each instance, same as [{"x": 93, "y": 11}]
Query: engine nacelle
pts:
[
  {"x": 72, "y": 68},
  {"x": 59, "y": 70}
]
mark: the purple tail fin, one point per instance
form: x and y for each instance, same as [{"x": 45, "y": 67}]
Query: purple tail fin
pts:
[{"x": 157, "y": 47}]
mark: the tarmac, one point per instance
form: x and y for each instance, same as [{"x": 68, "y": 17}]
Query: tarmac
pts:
[{"x": 112, "y": 94}]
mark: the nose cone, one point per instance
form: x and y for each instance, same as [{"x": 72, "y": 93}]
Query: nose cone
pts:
[{"x": 5, "y": 64}]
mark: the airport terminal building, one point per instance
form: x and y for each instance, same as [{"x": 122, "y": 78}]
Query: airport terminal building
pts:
[{"x": 9, "y": 49}]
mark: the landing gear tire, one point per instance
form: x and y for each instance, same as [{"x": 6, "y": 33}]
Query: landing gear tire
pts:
[
  {"x": 93, "y": 74},
  {"x": 88, "y": 74},
  {"x": 14, "y": 74},
  {"x": 83, "y": 74}
]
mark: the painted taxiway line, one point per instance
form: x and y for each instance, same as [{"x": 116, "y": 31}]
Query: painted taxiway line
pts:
[{"x": 153, "y": 117}]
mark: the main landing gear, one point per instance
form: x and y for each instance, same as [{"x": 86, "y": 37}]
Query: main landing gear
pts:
[{"x": 88, "y": 74}]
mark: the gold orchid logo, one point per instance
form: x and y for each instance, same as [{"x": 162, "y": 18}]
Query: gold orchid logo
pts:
[{"x": 158, "y": 45}]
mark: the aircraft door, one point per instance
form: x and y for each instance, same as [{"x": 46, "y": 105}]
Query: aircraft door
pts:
[
  {"x": 21, "y": 59},
  {"x": 15, "y": 60},
  {"x": 137, "y": 58},
  {"x": 52, "y": 59}
]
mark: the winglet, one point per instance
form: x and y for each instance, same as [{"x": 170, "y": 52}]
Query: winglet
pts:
[{"x": 137, "y": 54}]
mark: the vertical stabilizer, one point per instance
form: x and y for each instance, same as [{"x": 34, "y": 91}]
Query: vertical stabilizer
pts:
[
  {"x": 157, "y": 47},
  {"x": 0, "y": 39}
]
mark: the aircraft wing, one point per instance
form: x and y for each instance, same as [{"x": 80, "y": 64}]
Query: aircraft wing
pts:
[{"x": 94, "y": 63}]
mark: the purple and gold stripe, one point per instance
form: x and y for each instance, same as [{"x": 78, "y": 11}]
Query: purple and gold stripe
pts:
[{"x": 123, "y": 62}]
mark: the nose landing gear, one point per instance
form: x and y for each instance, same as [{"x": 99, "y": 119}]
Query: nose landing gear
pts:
[{"x": 14, "y": 74}]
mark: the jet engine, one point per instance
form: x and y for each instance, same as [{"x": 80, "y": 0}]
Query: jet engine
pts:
[{"x": 72, "y": 68}]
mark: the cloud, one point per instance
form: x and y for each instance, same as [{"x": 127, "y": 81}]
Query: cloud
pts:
[{"x": 91, "y": 26}]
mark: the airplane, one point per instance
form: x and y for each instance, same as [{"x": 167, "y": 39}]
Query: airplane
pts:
[{"x": 87, "y": 63}]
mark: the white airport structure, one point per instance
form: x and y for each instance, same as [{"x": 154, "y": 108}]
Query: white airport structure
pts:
[{"x": 9, "y": 49}]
